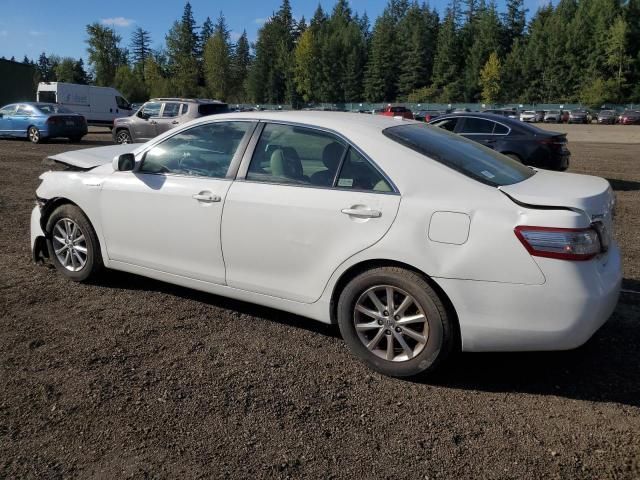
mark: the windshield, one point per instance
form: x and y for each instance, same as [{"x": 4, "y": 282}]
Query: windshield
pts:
[
  {"x": 456, "y": 152},
  {"x": 50, "y": 108}
]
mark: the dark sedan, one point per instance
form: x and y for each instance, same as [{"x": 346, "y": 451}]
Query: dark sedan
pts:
[
  {"x": 40, "y": 121},
  {"x": 607, "y": 117},
  {"x": 426, "y": 115},
  {"x": 630, "y": 117},
  {"x": 578, "y": 116},
  {"x": 521, "y": 141}
]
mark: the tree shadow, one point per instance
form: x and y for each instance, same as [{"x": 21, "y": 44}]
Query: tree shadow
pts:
[
  {"x": 624, "y": 185},
  {"x": 605, "y": 369}
]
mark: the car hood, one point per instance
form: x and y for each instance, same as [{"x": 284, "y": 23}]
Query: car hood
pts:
[
  {"x": 89, "y": 158},
  {"x": 584, "y": 193}
]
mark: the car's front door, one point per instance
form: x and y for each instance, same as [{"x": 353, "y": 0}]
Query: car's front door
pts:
[
  {"x": 169, "y": 118},
  {"x": 22, "y": 119},
  {"x": 165, "y": 215},
  {"x": 305, "y": 203},
  {"x": 144, "y": 125}
]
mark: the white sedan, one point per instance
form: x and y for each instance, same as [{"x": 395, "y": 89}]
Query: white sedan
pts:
[{"x": 417, "y": 242}]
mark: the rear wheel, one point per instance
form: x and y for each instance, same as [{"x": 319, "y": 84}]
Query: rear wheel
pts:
[
  {"x": 73, "y": 244},
  {"x": 34, "y": 135},
  {"x": 395, "y": 322},
  {"x": 123, "y": 137}
]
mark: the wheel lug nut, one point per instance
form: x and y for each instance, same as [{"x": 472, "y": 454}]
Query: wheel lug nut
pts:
[
  {"x": 387, "y": 332},
  {"x": 398, "y": 329},
  {"x": 379, "y": 322},
  {"x": 397, "y": 317},
  {"x": 385, "y": 313}
]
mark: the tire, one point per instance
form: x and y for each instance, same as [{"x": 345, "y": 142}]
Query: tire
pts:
[
  {"x": 61, "y": 234},
  {"x": 75, "y": 139},
  {"x": 123, "y": 137},
  {"x": 436, "y": 330},
  {"x": 33, "y": 134}
]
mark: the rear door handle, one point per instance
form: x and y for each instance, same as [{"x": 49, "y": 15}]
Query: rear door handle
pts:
[
  {"x": 362, "y": 212},
  {"x": 153, "y": 122},
  {"x": 175, "y": 122},
  {"x": 206, "y": 197}
]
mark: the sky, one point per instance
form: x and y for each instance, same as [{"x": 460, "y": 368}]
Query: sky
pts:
[{"x": 58, "y": 26}]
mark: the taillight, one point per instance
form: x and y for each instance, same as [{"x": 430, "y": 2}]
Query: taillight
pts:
[
  {"x": 53, "y": 120},
  {"x": 561, "y": 243}
]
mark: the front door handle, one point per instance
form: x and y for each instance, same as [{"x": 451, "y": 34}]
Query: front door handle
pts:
[
  {"x": 175, "y": 122},
  {"x": 362, "y": 212},
  {"x": 206, "y": 197},
  {"x": 153, "y": 122}
]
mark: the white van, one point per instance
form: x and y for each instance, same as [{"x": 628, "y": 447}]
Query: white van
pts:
[{"x": 99, "y": 105}]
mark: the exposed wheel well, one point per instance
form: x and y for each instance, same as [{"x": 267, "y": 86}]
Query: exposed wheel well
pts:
[{"x": 358, "y": 268}]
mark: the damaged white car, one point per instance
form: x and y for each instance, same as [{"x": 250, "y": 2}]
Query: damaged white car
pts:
[{"x": 417, "y": 242}]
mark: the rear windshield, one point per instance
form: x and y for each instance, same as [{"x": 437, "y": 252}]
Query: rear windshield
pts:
[
  {"x": 50, "y": 108},
  {"x": 212, "y": 108},
  {"x": 456, "y": 152}
]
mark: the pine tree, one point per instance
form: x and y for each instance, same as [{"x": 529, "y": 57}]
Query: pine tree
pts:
[
  {"x": 140, "y": 48},
  {"x": 446, "y": 64},
  {"x": 182, "y": 54},
  {"x": 217, "y": 61},
  {"x": 380, "y": 75},
  {"x": 241, "y": 63},
  {"x": 617, "y": 58},
  {"x": 44, "y": 68},
  {"x": 206, "y": 31},
  {"x": 514, "y": 22}
]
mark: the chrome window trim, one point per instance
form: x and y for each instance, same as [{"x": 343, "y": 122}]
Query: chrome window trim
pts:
[{"x": 246, "y": 161}]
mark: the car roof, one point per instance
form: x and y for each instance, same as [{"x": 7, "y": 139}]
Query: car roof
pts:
[{"x": 191, "y": 100}]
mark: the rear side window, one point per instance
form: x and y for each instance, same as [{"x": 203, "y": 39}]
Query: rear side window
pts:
[
  {"x": 212, "y": 108},
  {"x": 477, "y": 126},
  {"x": 460, "y": 154},
  {"x": 500, "y": 129},
  {"x": 25, "y": 110},
  {"x": 448, "y": 124},
  {"x": 171, "y": 110},
  {"x": 358, "y": 174}
]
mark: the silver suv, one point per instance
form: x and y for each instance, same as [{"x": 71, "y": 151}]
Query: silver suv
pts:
[{"x": 161, "y": 114}]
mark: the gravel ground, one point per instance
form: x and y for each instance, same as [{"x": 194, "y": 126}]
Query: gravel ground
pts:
[{"x": 133, "y": 378}]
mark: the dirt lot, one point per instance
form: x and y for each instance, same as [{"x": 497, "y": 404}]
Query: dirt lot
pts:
[{"x": 133, "y": 378}]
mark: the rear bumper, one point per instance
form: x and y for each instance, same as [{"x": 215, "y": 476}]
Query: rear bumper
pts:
[
  {"x": 67, "y": 132},
  {"x": 562, "y": 314}
]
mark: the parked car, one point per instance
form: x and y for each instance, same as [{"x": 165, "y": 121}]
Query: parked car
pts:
[
  {"x": 161, "y": 114},
  {"x": 403, "y": 112},
  {"x": 521, "y": 141},
  {"x": 504, "y": 112},
  {"x": 39, "y": 122},
  {"x": 426, "y": 115},
  {"x": 99, "y": 105},
  {"x": 578, "y": 116},
  {"x": 528, "y": 116},
  {"x": 630, "y": 117},
  {"x": 608, "y": 117},
  {"x": 553, "y": 116},
  {"x": 415, "y": 241}
]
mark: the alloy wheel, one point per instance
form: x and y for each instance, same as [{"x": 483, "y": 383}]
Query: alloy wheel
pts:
[
  {"x": 34, "y": 135},
  {"x": 123, "y": 137},
  {"x": 391, "y": 323},
  {"x": 69, "y": 245}
]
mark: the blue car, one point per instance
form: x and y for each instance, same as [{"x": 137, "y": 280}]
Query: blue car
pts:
[{"x": 41, "y": 121}]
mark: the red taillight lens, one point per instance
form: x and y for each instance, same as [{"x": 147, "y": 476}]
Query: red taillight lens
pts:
[{"x": 562, "y": 243}]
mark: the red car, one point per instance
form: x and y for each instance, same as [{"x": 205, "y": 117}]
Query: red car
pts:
[
  {"x": 397, "y": 112},
  {"x": 630, "y": 117}
]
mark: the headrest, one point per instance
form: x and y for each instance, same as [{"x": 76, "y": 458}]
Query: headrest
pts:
[{"x": 331, "y": 155}]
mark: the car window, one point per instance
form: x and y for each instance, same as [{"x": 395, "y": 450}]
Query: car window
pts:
[
  {"x": 8, "y": 110},
  {"x": 184, "y": 108},
  {"x": 171, "y": 110},
  {"x": 205, "y": 150},
  {"x": 448, "y": 124},
  {"x": 500, "y": 129},
  {"x": 49, "y": 108},
  {"x": 122, "y": 103},
  {"x": 357, "y": 173},
  {"x": 24, "y": 110},
  {"x": 297, "y": 155},
  {"x": 477, "y": 126},
  {"x": 212, "y": 108},
  {"x": 460, "y": 154},
  {"x": 152, "y": 109}
]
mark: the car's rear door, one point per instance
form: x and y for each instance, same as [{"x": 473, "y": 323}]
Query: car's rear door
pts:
[
  {"x": 169, "y": 118},
  {"x": 6, "y": 113},
  {"x": 165, "y": 215},
  {"x": 304, "y": 203},
  {"x": 479, "y": 130}
]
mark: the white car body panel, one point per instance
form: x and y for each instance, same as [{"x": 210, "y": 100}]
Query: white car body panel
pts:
[
  {"x": 287, "y": 247},
  {"x": 92, "y": 157}
]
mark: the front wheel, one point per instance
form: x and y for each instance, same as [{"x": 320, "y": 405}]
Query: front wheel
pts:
[
  {"x": 395, "y": 322},
  {"x": 123, "y": 137},
  {"x": 34, "y": 135},
  {"x": 73, "y": 244}
]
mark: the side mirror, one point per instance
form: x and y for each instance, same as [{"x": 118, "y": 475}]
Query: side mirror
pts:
[
  {"x": 124, "y": 162},
  {"x": 143, "y": 116}
]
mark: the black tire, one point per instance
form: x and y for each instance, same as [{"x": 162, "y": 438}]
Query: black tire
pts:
[
  {"x": 75, "y": 139},
  {"x": 93, "y": 265},
  {"x": 123, "y": 136},
  {"x": 440, "y": 340},
  {"x": 34, "y": 135}
]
